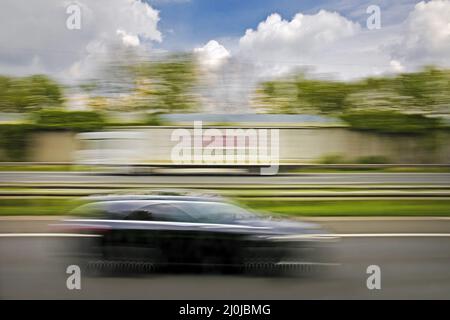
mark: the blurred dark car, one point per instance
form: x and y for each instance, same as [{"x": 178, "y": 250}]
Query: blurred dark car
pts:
[{"x": 154, "y": 231}]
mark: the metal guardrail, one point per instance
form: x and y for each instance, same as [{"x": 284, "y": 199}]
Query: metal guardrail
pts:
[{"x": 280, "y": 195}]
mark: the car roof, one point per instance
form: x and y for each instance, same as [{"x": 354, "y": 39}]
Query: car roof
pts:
[
  {"x": 132, "y": 197},
  {"x": 119, "y": 207}
]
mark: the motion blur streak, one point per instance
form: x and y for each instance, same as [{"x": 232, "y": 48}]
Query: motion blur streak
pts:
[
  {"x": 34, "y": 272},
  {"x": 165, "y": 152}
]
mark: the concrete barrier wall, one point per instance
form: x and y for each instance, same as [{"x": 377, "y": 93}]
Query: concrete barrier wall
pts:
[
  {"x": 310, "y": 144},
  {"x": 52, "y": 147},
  {"x": 296, "y": 144}
]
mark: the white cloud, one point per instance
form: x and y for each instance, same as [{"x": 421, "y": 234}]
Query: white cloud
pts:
[
  {"x": 329, "y": 44},
  {"x": 35, "y": 39},
  {"x": 212, "y": 55},
  {"x": 36, "y": 31},
  {"x": 305, "y": 35},
  {"x": 397, "y": 66},
  {"x": 426, "y": 35},
  {"x": 325, "y": 42},
  {"x": 128, "y": 40},
  {"x": 274, "y": 48}
]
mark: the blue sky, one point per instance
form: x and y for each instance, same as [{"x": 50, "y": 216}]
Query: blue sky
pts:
[
  {"x": 335, "y": 41},
  {"x": 287, "y": 36},
  {"x": 189, "y": 23}
]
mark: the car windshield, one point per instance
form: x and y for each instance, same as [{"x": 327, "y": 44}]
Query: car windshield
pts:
[{"x": 214, "y": 212}]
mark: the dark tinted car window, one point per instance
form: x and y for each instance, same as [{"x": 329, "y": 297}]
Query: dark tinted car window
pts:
[
  {"x": 214, "y": 212},
  {"x": 141, "y": 215},
  {"x": 167, "y": 212},
  {"x": 129, "y": 210}
]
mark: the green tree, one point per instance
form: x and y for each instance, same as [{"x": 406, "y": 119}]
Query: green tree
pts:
[
  {"x": 429, "y": 89},
  {"x": 162, "y": 85},
  {"x": 166, "y": 86},
  {"x": 300, "y": 95},
  {"x": 327, "y": 97},
  {"x": 280, "y": 97},
  {"x": 29, "y": 93},
  {"x": 395, "y": 104}
]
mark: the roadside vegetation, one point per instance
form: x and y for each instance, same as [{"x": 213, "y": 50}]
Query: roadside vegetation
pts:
[
  {"x": 355, "y": 207},
  {"x": 150, "y": 87},
  {"x": 409, "y": 103},
  {"x": 41, "y": 206},
  {"x": 405, "y": 104}
]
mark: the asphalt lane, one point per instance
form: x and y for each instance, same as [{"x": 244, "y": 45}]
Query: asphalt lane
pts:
[
  {"x": 44, "y": 224},
  {"x": 307, "y": 178},
  {"x": 411, "y": 268}
]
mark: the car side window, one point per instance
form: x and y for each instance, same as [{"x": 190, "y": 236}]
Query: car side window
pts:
[
  {"x": 167, "y": 212},
  {"x": 141, "y": 215}
]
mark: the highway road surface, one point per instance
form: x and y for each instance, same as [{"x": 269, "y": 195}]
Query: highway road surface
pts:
[{"x": 412, "y": 267}]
